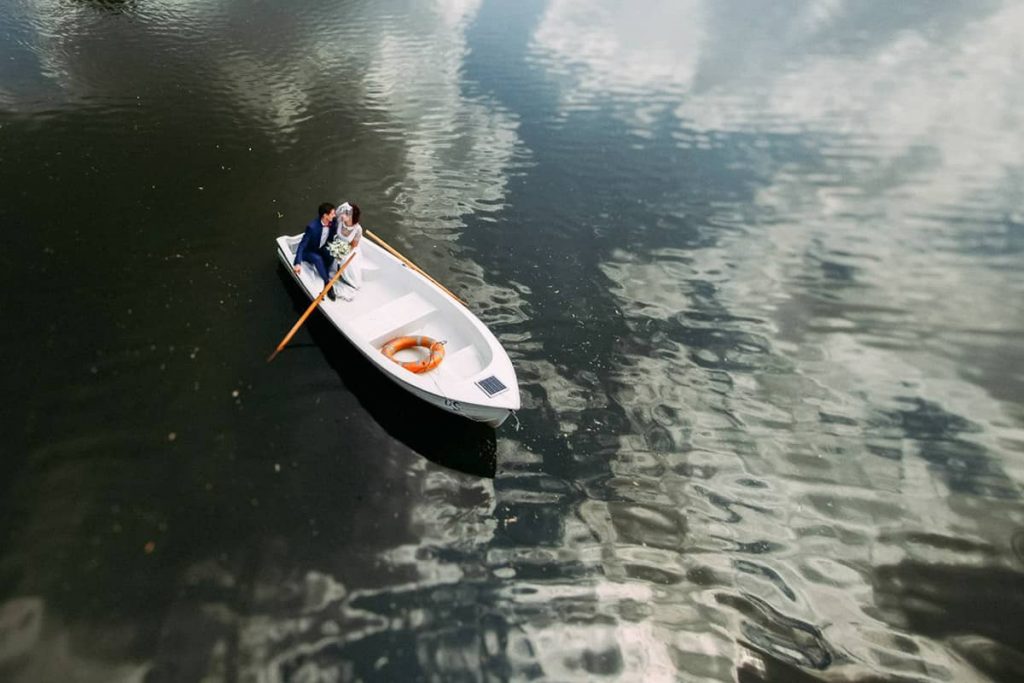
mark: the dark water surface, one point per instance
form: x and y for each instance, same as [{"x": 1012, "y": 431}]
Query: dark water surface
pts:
[{"x": 758, "y": 265}]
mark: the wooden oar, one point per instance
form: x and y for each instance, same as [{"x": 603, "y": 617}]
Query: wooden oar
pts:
[
  {"x": 412, "y": 265},
  {"x": 316, "y": 302}
]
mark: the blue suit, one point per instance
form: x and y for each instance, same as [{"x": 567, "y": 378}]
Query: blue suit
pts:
[{"x": 310, "y": 251}]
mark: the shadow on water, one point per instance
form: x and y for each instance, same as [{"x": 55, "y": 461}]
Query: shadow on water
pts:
[
  {"x": 440, "y": 437},
  {"x": 111, "y": 6},
  {"x": 977, "y": 610}
]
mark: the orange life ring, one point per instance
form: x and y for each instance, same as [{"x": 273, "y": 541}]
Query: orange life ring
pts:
[{"x": 399, "y": 343}]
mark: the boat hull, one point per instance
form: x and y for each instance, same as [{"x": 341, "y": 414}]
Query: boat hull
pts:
[{"x": 491, "y": 415}]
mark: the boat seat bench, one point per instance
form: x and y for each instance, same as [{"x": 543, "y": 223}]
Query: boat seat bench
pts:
[
  {"x": 461, "y": 362},
  {"x": 391, "y": 317}
]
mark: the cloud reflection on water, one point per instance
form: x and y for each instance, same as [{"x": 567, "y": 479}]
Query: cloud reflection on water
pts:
[{"x": 907, "y": 148}]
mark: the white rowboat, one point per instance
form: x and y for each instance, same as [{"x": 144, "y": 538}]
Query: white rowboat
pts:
[{"x": 475, "y": 380}]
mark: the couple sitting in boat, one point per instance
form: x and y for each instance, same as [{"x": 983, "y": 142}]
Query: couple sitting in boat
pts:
[{"x": 315, "y": 247}]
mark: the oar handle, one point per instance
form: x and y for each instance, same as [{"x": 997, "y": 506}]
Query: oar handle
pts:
[
  {"x": 316, "y": 302},
  {"x": 394, "y": 252}
]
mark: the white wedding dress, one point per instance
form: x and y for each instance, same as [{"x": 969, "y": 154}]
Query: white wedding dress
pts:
[{"x": 353, "y": 275}]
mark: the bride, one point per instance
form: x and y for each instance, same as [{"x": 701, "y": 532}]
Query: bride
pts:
[{"x": 350, "y": 231}]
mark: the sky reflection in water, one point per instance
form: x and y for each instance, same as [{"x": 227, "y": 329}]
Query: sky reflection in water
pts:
[{"x": 758, "y": 270}]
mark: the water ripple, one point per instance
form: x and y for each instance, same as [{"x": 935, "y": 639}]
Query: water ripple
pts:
[{"x": 759, "y": 281}]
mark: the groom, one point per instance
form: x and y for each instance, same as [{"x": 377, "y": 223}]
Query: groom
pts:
[{"x": 313, "y": 247}]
